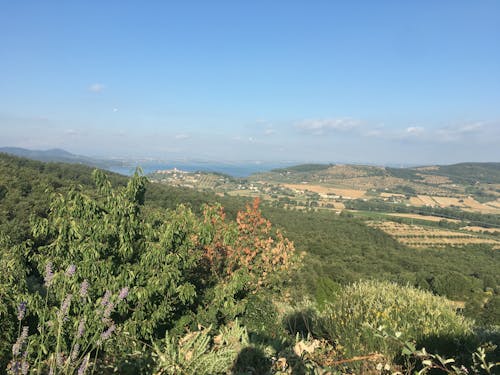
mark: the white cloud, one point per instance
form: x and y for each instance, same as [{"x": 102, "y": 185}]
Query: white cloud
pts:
[
  {"x": 415, "y": 131},
  {"x": 458, "y": 132},
  {"x": 269, "y": 132},
  {"x": 323, "y": 126},
  {"x": 182, "y": 136},
  {"x": 71, "y": 132},
  {"x": 96, "y": 87}
]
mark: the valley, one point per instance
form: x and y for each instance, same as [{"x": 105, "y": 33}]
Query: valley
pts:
[{"x": 432, "y": 197}]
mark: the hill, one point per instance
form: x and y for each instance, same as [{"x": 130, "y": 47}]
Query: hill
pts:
[
  {"x": 154, "y": 267},
  {"x": 341, "y": 248},
  {"x": 57, "y": 155}
]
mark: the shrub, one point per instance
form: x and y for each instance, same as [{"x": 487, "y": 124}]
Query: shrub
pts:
[
  {"x": 359, "y": 309},
  {"x": 199, "y": 352}
]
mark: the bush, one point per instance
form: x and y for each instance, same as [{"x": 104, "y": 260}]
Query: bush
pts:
[{"x": 359, "y": 309}]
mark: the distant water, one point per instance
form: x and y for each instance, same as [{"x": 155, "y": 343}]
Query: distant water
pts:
[{"x": 235, "y": 170}]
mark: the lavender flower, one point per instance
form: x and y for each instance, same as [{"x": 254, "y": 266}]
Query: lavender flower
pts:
[
  {"x": 25, "y": 366},
  {"x": 21, "y": 340},
  {"x": 71, "y": 270},
  {"x": 75, "y": 352},
  {"x": 65, "y": 307},
  {"x": 60, "y": 359},
  {"x": 21, "y": 311},
  {"x": 24, "y": 334},
  {"x": 81, "y": 329},
  {"x": 108, "y": 310},
  {"x": 107, "y": 334},
  {"x": 123, "y": 293},
  {"x": 83, "y": 366},
  {"x": 15, "y": 366},
  {"x": 49, "y": 274},
  {"x": 105, "y": 298},
  {"x": 16, "y": 348},
  {"x": 84, "y": 288}
]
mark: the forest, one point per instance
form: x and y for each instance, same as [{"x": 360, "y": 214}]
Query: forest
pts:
[{"x": 100, "y": 273}]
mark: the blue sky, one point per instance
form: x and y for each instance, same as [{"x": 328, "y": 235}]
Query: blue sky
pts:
[{"x": 358, "y": 81}]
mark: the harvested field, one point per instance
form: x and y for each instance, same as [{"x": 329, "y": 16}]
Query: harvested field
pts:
[
  {"x": 472, "y": 203},
  {"x": 419, "y": 236},
  {"x": 424, "y": 217},
  {"x": 495, "y": 204},
  {"x": 415, "y": 201},
  {"x": 345, "y": 193},
  {"x": 390, "y": 195},
  {"x": 427, "y": 201},
  {"x": 449, "y": 201},
  {"x": 466, "y": 203}
]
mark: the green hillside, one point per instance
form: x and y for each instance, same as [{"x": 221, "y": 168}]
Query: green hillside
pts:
[{"x": 174, "y": 265}]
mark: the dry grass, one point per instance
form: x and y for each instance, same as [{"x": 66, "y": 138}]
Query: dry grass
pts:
[
  {"x": 427, "y": 200},
  {"x": 494, "y": 204},
  {"x": 345, "y": 193},
  {"x": 415, "y": 201},
  {"x": 449, "y": 201},
  {"x": 424, "y": 217},
  {"x": 390, "y": 195},
  {"x": 466, "y": 203}
]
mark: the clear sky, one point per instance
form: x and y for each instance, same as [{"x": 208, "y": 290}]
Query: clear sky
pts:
[{"x": 337, "y": 81}]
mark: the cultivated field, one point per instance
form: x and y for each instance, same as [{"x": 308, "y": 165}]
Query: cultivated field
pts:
[
  {"x": 465, "y": 203},
  {"x": 345, "y": 193},
  {"x": 424, "y": 217},
  {"x": 419, "y": 236},
  {"x": 481, "y": 229}
]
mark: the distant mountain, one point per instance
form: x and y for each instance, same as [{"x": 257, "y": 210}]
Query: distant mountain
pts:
[
  {"x": 58, "y": 155},
  {"x": 461, "y": 173}
]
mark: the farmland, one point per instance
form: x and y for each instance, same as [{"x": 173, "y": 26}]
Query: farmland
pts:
[
  {"x": 418, "y": 207},
  {"x": 424, "y": 237}
]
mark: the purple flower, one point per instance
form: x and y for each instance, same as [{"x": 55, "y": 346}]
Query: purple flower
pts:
[
  {"x": 84, "y": 288},
  {"x": 65, "y": 306},
  {"x": 108, "y": 310},
  {"x": 83, "y": 366},
  {"x": 107, "y": 334},
  {"x": 75, "y": 352},
  {"x": 60, "y": 359},
  {"x": 105, "y": 298},
  {"x": 123, "y": 293},
  {"x": 16, "y": 348},
  {"x": 71, "y": 270},
  {"x": 81, "y": 329},
  {"x": 25, "y": 366},
  {"x": 21, "y": 340},
  {"x": 24, "y": 334},
  {"x": 15, "y": 366},
  {"x": 49, "y": 275},
  {"x": 21, "y": 311}
]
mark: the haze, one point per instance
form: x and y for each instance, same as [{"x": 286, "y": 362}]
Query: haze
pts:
[{"x": 367, "y": 82}]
